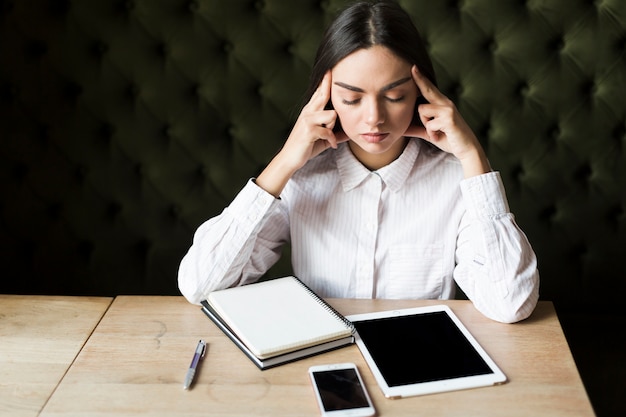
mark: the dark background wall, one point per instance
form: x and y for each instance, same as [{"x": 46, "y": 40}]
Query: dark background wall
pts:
[{"x": 125, "y": 124}]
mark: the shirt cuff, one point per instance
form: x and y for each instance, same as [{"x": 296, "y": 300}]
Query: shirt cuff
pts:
[
  {"x": 252, "y": 203},
  {"x": 485, "y": 196}
]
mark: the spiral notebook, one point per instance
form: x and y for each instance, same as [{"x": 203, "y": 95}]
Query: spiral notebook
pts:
[{"x": 278, "y": 321}]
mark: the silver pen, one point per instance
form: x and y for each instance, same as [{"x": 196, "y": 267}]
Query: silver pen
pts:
[{"x": 197, "y": 356}]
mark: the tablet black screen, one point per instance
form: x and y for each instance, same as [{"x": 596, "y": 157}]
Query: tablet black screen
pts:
[{"x": 420, "y": 348}]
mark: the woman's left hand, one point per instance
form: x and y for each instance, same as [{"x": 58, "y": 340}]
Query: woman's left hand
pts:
[{"x": 445, "y": 128}]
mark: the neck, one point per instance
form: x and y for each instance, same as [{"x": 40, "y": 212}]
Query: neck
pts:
[{"x": 374, "y": 161}]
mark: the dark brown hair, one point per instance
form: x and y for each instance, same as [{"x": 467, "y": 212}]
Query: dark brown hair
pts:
[{"x": 363, "y": 25}]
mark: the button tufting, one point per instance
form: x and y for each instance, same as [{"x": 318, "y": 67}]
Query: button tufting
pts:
[
  {"x": 201, "y": 172},
  {"x": 491, "y": 45},
  {"x": 588, "y": 88},
  {"x": 227, "y": 47},
  {"x": 523, "y": 89},
  {"x": 99, "y": 49},
  {"x": 174, "y": 211},
  {"x": 106, "y": 131},
  {"x": 548, "y": 214},
  {"x": 290, "y": 48},
  {"x": 72, "y": 91},
  {"x": 485, "y": 132},
  {"x": 166, "y": 131},
  {"x": 80, "y": 174},
  {"x": 583, "y": 173},
  {"x": 557, "y": 44},
  {"x": 196, "y": 90},
  {"x": 554, "y": 132},
  {"x": 113, "y": 210},
  {"x": 457, "y": 90},
  {"x": 132, "y": 91},
  {"x": 139, "y": 170},
  {"x": 517, "y": 173},
  {"x": 162, "y": 50}
]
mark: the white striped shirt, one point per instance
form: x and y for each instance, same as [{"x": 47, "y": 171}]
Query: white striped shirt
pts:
[{"x": 408, "y": 230}]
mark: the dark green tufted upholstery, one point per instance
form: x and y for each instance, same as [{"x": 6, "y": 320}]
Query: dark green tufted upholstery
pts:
[{"x": 125, "y": 124}]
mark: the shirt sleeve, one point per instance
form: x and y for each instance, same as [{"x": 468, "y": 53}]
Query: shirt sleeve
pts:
[
  {"x": 496, "y": 265},
  {"x": 231, "y": 248}
]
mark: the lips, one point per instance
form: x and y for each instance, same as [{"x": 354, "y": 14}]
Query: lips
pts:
[{"x": 374, "y": 137}]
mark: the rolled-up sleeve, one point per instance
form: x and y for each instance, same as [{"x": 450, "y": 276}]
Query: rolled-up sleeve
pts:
[
  {"x": 221, "y": 254},
  {"x": 496, "y": 265}
]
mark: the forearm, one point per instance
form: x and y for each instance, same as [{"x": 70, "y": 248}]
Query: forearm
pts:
[
  {"x": 276, "y": 175},
  {"x": 475, "y": 163}
]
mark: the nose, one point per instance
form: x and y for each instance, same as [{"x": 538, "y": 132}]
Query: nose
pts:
[{"x": 375, "y": 113}]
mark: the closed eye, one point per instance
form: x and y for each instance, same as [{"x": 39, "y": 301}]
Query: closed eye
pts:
[
  {"x": 356, "y": 101},
  {"x": 350, "y": 102}
]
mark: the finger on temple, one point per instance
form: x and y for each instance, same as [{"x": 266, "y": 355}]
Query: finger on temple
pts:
[
  {"x": 322, "y": 94},
  {"x": 426, "y": 87}
]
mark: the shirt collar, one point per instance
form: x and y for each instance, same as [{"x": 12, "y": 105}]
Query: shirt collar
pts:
[{"x": 353, "y": 173}]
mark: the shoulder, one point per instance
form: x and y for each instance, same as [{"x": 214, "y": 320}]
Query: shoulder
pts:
[
  {"x": 323, "y": 165},
  {"x": 320, "y": 171},
  {"x": 434, "y": 168},
  {"x": 432, "y": 157}
]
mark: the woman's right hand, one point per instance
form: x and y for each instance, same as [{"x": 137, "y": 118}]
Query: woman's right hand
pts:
[
  {"x": 311, "y": 135},
  {"x": 313, "y": 131}
]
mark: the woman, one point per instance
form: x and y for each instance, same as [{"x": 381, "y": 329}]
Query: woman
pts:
[{"x": 381, "y": 188}]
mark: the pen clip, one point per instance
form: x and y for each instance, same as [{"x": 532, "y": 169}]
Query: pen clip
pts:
[{"x": 203, "y": 343}]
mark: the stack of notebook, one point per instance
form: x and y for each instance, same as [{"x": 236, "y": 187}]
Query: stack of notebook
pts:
[{"x": 277, "y": 321}]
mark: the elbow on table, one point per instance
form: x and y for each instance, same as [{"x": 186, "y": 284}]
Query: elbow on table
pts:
[
  {"x": 188, "y": 286},
  {"x": 520, "y": 297},
  {"x": 513, "y": 309},
  {"x": 515, "y": 316}
]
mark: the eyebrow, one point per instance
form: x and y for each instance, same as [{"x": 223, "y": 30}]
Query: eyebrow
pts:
[{"x": 382, "y": 90}]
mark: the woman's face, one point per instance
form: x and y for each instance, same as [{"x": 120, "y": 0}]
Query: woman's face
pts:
[{"x": 374, "y": 96}]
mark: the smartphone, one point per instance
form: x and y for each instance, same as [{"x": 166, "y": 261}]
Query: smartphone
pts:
[{"x": 340, "y": 391}]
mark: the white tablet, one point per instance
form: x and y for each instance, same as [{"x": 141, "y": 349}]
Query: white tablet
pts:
[{"x": 422, "y": 350}]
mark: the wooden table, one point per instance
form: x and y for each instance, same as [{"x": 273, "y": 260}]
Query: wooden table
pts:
[
  {"x": 135, "y": 362},
  {"x": 40, "y": 337}
]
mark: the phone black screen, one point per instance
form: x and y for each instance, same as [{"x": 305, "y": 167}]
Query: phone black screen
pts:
[{"x": 340, "y": 389}]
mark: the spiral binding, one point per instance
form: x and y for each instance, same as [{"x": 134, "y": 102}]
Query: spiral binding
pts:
[{"x": 327, "y": 306}]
